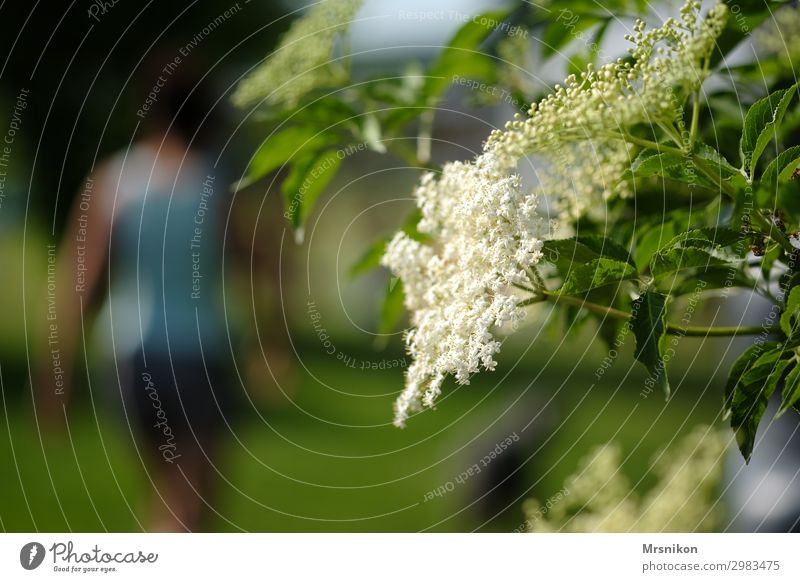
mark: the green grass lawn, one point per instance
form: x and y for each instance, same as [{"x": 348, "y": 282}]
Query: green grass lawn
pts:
[{"x": 331, "y": 461}]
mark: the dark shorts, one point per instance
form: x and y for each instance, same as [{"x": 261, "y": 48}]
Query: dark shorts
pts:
[{"x": 178, "y": 405}]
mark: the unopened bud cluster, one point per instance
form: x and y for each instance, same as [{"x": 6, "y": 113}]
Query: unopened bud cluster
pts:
[{"x": 484, "y": 228}]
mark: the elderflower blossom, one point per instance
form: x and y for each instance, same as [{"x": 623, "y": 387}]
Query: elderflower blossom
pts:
[
  {"x": 301, "y": 62},
  {"x": 457, "y": 290},
  {"x": 580, "y": 130},
  {"x": 483, "y": 225},
  {"x": 600, "y": 497}
]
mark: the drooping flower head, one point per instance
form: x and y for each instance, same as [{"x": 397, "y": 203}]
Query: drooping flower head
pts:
[
  {"x": 484, "y": 229},
  {"x": 485, "y": 234}
]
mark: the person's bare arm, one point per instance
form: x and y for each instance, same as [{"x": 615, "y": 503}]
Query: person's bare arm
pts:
[{"x": 80, "y": 262}]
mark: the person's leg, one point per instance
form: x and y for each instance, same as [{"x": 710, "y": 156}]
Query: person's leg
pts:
[
  {"x": 186, "y": 474},
  {"x": 184, "y": 488}
]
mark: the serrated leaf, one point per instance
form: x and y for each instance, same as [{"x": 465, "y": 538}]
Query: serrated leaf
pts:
[
  {"x": 704, "y": 238},
  {"x": 739, "y": 367},
  {"x": 567, "y": 253},
  {"x": 761, "y": 124},
  {"x": 711, "y": 278},
  {"x": 792, "y": 310},
  {"x": 750, "y": 401},
  {"x": 605, "y": 247},
  {"x": 667, "y": 262},
  {"x": 596, "y": 273},
  {"x": 791, "y": 391},
  {"x": 761, "y": 368},
  {"x": 691, "y": 249},
  {"x": 782, "y": 167},
  {"x": 649, "y": 326},
  {"x": 651, "y": 241},
  {"x": 293, "y": 143},
  {"x": 305, "y": 183},
  {"x": 668, "y": 165},
  {"x": 716, "y": 160},
  {"x": 651, "y": 163}
]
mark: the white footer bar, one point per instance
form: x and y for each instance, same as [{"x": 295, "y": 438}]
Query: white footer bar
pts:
[{"x": 400, "y": 557}]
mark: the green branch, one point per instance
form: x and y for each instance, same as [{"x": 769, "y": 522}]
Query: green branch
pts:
[
  {"x": 673, "y": 329},
  {"x": 695, "y": 119}
]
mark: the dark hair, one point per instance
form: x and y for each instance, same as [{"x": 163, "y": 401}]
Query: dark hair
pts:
[{"x": 182, "y": 104}]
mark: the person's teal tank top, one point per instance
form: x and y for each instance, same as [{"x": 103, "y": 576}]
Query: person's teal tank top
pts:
[{"x": 165, "y": 285}]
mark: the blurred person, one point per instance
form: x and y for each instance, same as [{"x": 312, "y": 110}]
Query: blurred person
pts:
[{"x": 148, "y": 225}]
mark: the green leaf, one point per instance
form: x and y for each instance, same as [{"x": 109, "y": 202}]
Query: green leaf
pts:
[
  {"x": 370, "y": 259},
  {"x": 761, "y": 124},
  {"x": 596, "y": 273},
  {"x": 704, "y": 238},
  {"x": 651, "y": 163},
  {"x": 652, "y": 240},
  {"x": 768, "y": 260},
  {"x": 292, "y": 143},
  {"x": 566, "y": 253},
  {"x": 462, "y": 56},
  {"x": 782, "y": 167},
  {"x": 605, "y": 247},
  {"x": 392, "y": 308},
  {"x": 751, "y": 396},
  {"x": 715, "y": 160},
  {"x": 649, "y": 326},
  {"x": 608, "y": 331},
  {"x": 743, "y": 363},
  {"x": 721, "y": 277},
  {"x": 792, "y": 310},
  {"x": 668, "y": 165},
  {"x": 665, "y": 263},
  {"x": 306, "y": 181},
  {"x": 565, "y": 29},
  {"x": 761, "y": 367},
  {"x": 691, "y": 249},
  {"x": 791, "y": 391},
  {"x": 371, "y": 132}
]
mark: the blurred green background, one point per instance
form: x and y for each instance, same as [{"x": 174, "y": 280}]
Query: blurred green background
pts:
[{"x": 318, "y": 452}]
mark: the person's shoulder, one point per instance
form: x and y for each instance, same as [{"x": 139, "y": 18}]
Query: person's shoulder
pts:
[{"x": 129, "y": 158}]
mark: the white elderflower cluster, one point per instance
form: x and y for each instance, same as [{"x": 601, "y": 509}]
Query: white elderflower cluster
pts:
[
  {"x": 601, "y": 498},
  {"x": 458, "y": 290},
  {"x": 301, "y": 62},
  {"x": 580, "y": 129},
  {"x": 483, "y": 225}
]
